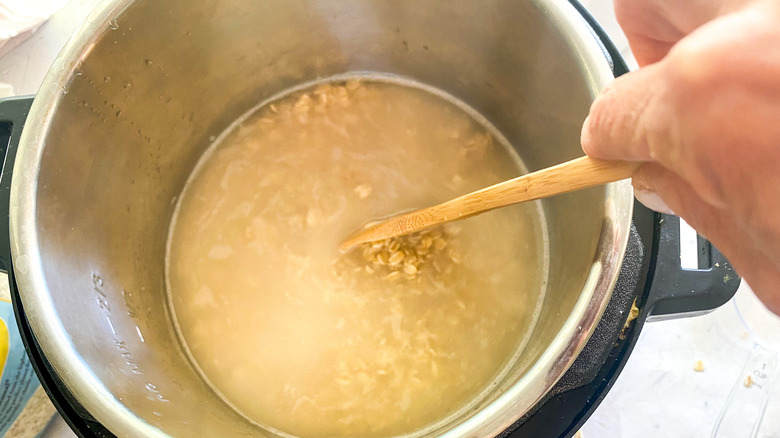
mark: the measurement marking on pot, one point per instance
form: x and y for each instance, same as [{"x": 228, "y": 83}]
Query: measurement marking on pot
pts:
[
  {"x": 103, "y": 303},
  {"x": 127, "y": 296},
  {"x": 111, "y": 325},
  {"x": 127, "y": 356},
  {"x": 156, "y": 395},
  {"x": 102, "y": 298}
]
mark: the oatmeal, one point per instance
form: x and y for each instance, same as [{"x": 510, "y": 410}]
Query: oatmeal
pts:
[{"x": 390, "y": 338}]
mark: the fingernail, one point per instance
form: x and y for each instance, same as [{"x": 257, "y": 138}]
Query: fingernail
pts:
[
  {"x": 585, "y": 135},
  {"x": 651, "y": 200}
]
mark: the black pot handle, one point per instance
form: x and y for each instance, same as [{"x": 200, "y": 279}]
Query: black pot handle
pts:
[
  {"x": 13, "y": 114},
  {"x": 678, "y": 292}
]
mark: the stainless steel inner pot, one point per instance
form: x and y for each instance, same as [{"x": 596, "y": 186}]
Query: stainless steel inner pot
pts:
[{"x": 144, "y": 86}]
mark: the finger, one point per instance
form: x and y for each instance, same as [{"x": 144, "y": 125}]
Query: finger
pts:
[
  {"x": 651, "y": 200},
  {"x": 750, "y": 258},
  {"x": 654, "y": 26},
  {"x": 680, "y": 197},
  {"x": 723, "y": 226},
  {"x": 628, "y": 117},
  {"x": 649, "y": 29}
]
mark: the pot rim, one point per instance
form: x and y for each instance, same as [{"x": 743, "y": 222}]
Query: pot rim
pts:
[{"x": 56, "y": 344}]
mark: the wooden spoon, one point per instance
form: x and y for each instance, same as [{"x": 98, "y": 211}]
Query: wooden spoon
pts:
[{"x": 577, "y": 174}]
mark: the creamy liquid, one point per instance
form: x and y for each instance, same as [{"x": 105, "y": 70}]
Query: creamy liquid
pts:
[{"x": 305, "y": 341}]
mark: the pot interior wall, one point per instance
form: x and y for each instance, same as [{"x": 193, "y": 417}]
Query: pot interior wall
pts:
[{"x": 165, "y": 77}]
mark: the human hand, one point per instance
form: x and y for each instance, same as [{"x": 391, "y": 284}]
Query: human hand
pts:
[{"x": 703, "y": 114}]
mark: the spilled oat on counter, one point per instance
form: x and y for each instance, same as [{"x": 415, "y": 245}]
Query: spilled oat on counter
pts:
[{"x": 390, "y": 338}]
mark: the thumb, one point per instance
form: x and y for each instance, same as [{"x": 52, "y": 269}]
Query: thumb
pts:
[{"x": 629, "y": 117}]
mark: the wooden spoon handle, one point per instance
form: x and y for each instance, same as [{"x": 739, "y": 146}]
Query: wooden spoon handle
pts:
[{"x": 577, "y": 174}]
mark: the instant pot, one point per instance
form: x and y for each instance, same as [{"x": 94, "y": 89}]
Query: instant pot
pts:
[{"x": 95, "y": 162}]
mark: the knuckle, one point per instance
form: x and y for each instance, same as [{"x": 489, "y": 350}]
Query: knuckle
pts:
[{"x": 697, "y": 65}]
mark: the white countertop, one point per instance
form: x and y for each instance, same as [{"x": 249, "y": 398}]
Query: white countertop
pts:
[{"x": 658, "y": 394}]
